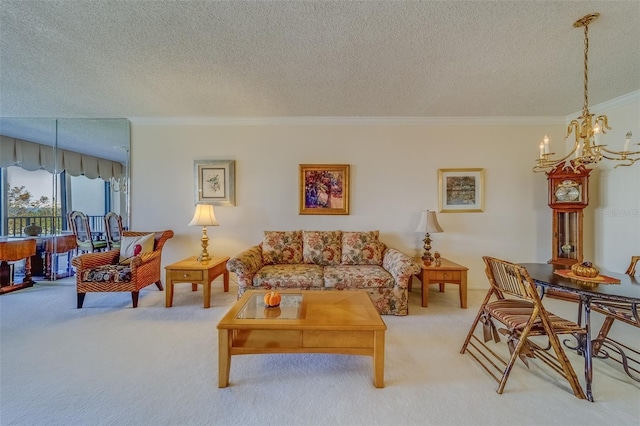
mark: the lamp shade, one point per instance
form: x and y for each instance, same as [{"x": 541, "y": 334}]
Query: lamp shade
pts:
[
  {"x": 204, "y": 216},
  {"x": 429, "y": 223}
]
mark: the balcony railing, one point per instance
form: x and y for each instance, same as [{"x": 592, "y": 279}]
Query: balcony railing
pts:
[{"x": 16, "y": 224}]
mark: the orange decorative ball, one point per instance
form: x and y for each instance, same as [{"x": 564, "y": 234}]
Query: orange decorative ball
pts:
[{"x": 272, "y": 298}]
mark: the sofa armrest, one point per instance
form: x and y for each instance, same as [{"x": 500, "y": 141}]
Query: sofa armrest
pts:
[
  {"x": 400, "y": 266},
  {"x": 245, "y": 265},
  {"x": 93, "y": 260}
]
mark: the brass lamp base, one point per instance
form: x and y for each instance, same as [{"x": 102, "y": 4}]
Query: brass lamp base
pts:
[
  {"x": 204, "y": 256},
  {"x": 427, "y": 249}
]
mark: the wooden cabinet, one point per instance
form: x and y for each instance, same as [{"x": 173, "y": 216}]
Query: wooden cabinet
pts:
[{"x": 568, "y": 189}]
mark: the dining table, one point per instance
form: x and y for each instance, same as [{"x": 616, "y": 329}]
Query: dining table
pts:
[{"x": 618, "y": 289}]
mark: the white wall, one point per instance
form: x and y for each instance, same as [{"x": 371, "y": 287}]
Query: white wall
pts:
[
  {"x": 393, "y": 177},
  {"x": 83, "y": 195},
  {"x": 615, "y": 202}
]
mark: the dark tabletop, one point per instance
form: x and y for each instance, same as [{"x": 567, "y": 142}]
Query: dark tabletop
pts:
[{"x": 628, "y": 290}]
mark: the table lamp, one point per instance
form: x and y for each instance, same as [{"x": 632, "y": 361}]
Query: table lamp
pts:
[
  {"x": 204, "y": 216},
  {"x": 428, "y": 225}
]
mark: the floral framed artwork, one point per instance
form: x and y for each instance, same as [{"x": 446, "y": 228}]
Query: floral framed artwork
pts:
[
  {"x": 215, "y": 182},
  {"x": 324, "y": 189},
  {"x": 461, "y": 190}
]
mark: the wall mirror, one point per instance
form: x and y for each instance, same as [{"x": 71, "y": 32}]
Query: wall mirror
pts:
[{"x": 63, "y": 165}]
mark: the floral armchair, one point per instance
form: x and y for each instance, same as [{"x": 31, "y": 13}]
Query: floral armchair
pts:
[{"x": 108, "y": 272}]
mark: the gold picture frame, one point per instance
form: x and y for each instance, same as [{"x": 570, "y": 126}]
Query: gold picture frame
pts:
[
  {"x": 215, "y": 182},
  {"x": 461, "y": 190},
  {"x": 324, "y": 189}
]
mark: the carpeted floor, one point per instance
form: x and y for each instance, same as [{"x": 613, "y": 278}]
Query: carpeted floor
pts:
[{"x": 109, "y": 364}]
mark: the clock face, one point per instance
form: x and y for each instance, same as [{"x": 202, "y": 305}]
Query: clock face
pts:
[{"x": 567, "y": 191}]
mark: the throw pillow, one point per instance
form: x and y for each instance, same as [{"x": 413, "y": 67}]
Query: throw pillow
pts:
[
  {"x": 361, "y": 248},
  {"x": 321, "y": 247},
  {"x": 282, "y": 247},
  {"x": 134, "y": 246}
]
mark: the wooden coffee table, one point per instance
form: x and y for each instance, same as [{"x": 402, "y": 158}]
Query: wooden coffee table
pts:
[{"x": 315, "y": 321}]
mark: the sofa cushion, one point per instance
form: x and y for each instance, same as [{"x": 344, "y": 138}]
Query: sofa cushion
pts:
[
  {"x": 343, "y": 277},
  {"x": 361, "y": 248},
  {"x": 322, "y": 247},
  {"x": 282, "y": 247},
  {"x": 302, "y": 276}
]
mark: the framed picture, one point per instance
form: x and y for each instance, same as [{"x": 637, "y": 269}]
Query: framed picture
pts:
[
  {"x": 461, "y": 190},
  {"x": 324, "y": 189},
  {"x": 215, "y": 182}
]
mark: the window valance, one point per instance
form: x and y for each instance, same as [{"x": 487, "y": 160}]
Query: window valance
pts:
[{"x": 34, "y": 156}]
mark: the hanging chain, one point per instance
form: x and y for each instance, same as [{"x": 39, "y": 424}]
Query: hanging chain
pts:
[{"x": 585, "y": 107}]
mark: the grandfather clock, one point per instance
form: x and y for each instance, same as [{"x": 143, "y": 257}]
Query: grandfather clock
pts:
[{"x": 568, "y": 196}]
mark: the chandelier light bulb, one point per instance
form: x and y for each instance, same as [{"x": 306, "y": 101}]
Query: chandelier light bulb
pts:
[
  {"x": 546, "y": 144},
  {"x": 627, "y": 141}
]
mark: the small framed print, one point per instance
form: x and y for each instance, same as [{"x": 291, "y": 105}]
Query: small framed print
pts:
[
  {"x": 324, "y": 189},
  {"x": 461, "y": 190},
  {"x": 215, "y": 182}
]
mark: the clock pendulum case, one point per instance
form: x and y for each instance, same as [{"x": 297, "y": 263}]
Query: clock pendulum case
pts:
[{"x": 568, "y": 196}]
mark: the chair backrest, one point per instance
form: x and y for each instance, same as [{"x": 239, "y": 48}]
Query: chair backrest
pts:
[
  {"x": 632, "y": 266},
  {"x": 79, "y": 224},
  {"x": 113, "y": 227},
  {"x": 509, "y": 278}
]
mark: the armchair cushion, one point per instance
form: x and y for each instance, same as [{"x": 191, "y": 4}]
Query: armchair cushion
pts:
[
  {"x": 134, "y": 246},
  {"x": 108, "y": 274},
  {"x": 282, "y": 247}
]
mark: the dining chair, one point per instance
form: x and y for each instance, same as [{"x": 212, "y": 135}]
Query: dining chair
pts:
[
  {"x": 603, "y": 345},
  {"x": 79, "y": 225},
  {"x": 531, "y": 331},
  {"x": 113, "y": 229}
]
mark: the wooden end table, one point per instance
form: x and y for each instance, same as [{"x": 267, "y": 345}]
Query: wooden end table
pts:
[
  {"x": 448, "y": 272},
  {"x": 192, "y": 271}
]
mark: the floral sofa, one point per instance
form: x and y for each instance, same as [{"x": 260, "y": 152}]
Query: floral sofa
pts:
[{"x": 328, "y": 260}]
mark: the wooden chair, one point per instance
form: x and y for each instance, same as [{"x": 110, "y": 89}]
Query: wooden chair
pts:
[
  {"x": 103, "y": 272},
  {"x": 513, "y": 301},
  {"x": 631, "y": 270},
  {"x": 113, "y": 229},
  {"x": 79, "y": 224},
  {"x": 606, "y": 347}
]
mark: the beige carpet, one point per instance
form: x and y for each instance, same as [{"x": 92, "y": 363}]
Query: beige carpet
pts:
[{"x": 109, "y": 364}]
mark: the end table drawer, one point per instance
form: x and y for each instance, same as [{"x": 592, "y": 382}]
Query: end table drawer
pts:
[
  {"x": 186, "y": 275},
  {"x": 444, "y": 275}
]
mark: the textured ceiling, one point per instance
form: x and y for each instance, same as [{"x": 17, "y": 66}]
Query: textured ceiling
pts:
[{"x": 164, "y": 58}]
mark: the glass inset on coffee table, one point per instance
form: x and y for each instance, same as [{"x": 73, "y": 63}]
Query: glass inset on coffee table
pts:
[{"x": 255, "y": 307}]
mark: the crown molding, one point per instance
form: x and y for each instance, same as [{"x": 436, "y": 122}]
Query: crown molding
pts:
[
  {"x": 346, "y": 121},
  {"x": 614, "y": 103}
]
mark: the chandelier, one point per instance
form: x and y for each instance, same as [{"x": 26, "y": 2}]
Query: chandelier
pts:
[{"x": 587, "y": 150}]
